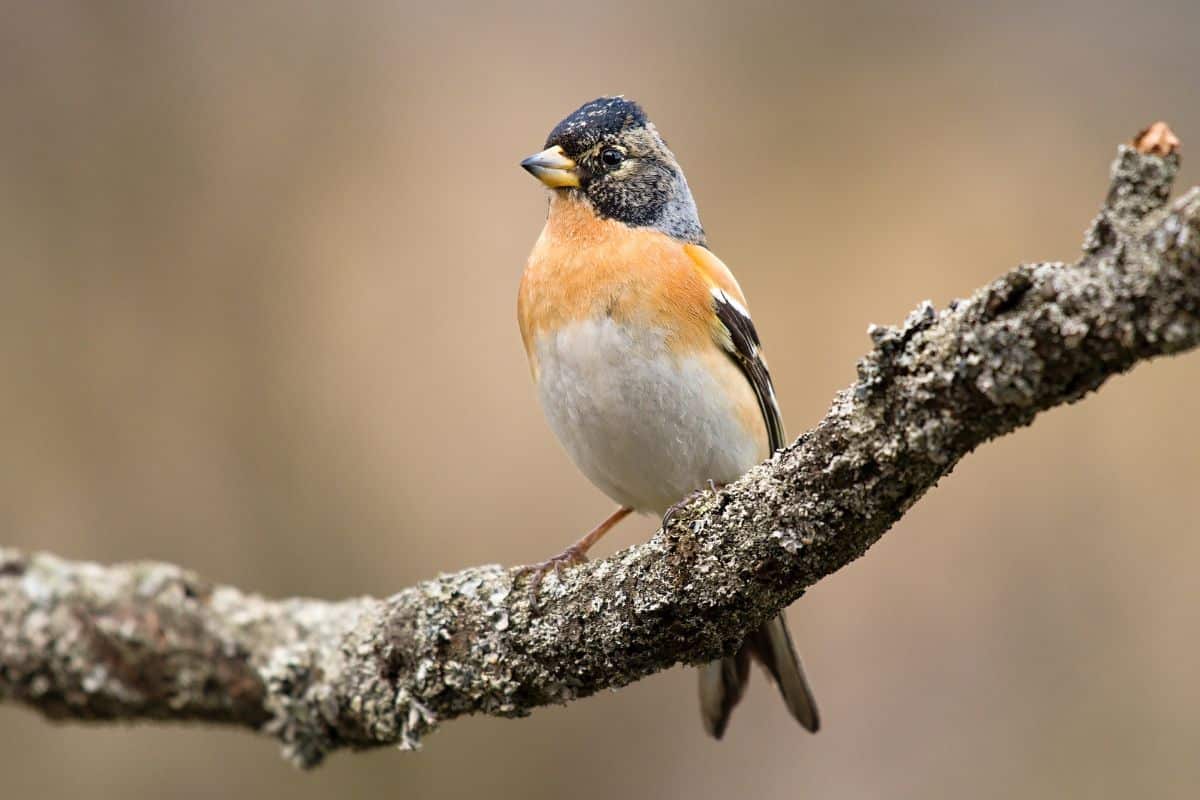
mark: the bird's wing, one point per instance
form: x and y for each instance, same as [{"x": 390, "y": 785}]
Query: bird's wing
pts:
[
  {"x": 737, "y": 336},
  {"x": 722, "y": 682}
]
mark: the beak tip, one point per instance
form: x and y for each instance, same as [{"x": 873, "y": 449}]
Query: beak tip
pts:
[{"x": 552, "y": 167}]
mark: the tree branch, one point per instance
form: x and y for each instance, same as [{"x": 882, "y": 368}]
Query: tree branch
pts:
[{"x": 153, "y": 641}]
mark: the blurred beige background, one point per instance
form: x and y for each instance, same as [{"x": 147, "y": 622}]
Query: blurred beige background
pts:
[{"x": 259, "y": 270}]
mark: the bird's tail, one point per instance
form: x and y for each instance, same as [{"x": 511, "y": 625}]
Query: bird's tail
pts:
[{"x": 723, "y": 681}]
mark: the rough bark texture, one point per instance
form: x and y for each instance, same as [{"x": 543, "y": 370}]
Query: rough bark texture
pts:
[{"x": 153, "y": 641}]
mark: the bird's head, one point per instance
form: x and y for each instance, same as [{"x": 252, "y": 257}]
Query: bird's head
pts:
[{"x": 610, "y": 153}]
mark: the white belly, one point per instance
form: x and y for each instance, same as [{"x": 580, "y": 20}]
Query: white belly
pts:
[{"x": 645, "y": 426}]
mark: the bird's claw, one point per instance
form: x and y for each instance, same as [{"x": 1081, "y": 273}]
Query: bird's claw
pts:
[
  {"x": 713, "y": 487},
  {"x": 570, "y": 557}
]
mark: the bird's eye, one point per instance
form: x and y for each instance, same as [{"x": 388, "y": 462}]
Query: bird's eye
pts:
[{"x": 611, "y": 156}]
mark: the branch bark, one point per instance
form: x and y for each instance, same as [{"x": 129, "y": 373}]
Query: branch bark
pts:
[{"x": 153, "y": 641}]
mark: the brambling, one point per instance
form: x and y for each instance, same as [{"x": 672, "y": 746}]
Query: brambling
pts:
[{"x": 646, "y": 361}]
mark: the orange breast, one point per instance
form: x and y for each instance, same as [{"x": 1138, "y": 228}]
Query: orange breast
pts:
[{"x": 584, "y": 267}]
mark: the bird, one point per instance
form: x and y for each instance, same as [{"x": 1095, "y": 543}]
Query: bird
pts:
[{"x": 646, "y": 362}]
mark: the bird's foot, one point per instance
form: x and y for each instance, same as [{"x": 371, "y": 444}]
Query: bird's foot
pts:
[
  {"x": 713, "y": 487},
  {"x": 575, "y": 554},
  {"x": 570, "y": 557}
]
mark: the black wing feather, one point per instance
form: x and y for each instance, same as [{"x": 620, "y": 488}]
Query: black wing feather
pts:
[{"x": 743, "y": 348}]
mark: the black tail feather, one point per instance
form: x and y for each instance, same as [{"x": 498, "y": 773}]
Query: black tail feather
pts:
[{"x": 723, "y": 682}]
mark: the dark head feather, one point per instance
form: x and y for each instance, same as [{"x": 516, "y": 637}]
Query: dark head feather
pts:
[
  {"x": 645, "y": 186},
  {"x": 602, "y": 118}
]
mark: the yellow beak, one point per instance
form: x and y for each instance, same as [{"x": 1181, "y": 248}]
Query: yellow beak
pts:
[{"x": 553, "y": 168}]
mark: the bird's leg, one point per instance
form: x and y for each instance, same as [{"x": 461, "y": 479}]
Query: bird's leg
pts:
[
  {"x": 713, "y": 486},
  {"x": 575, "y": 554}
]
